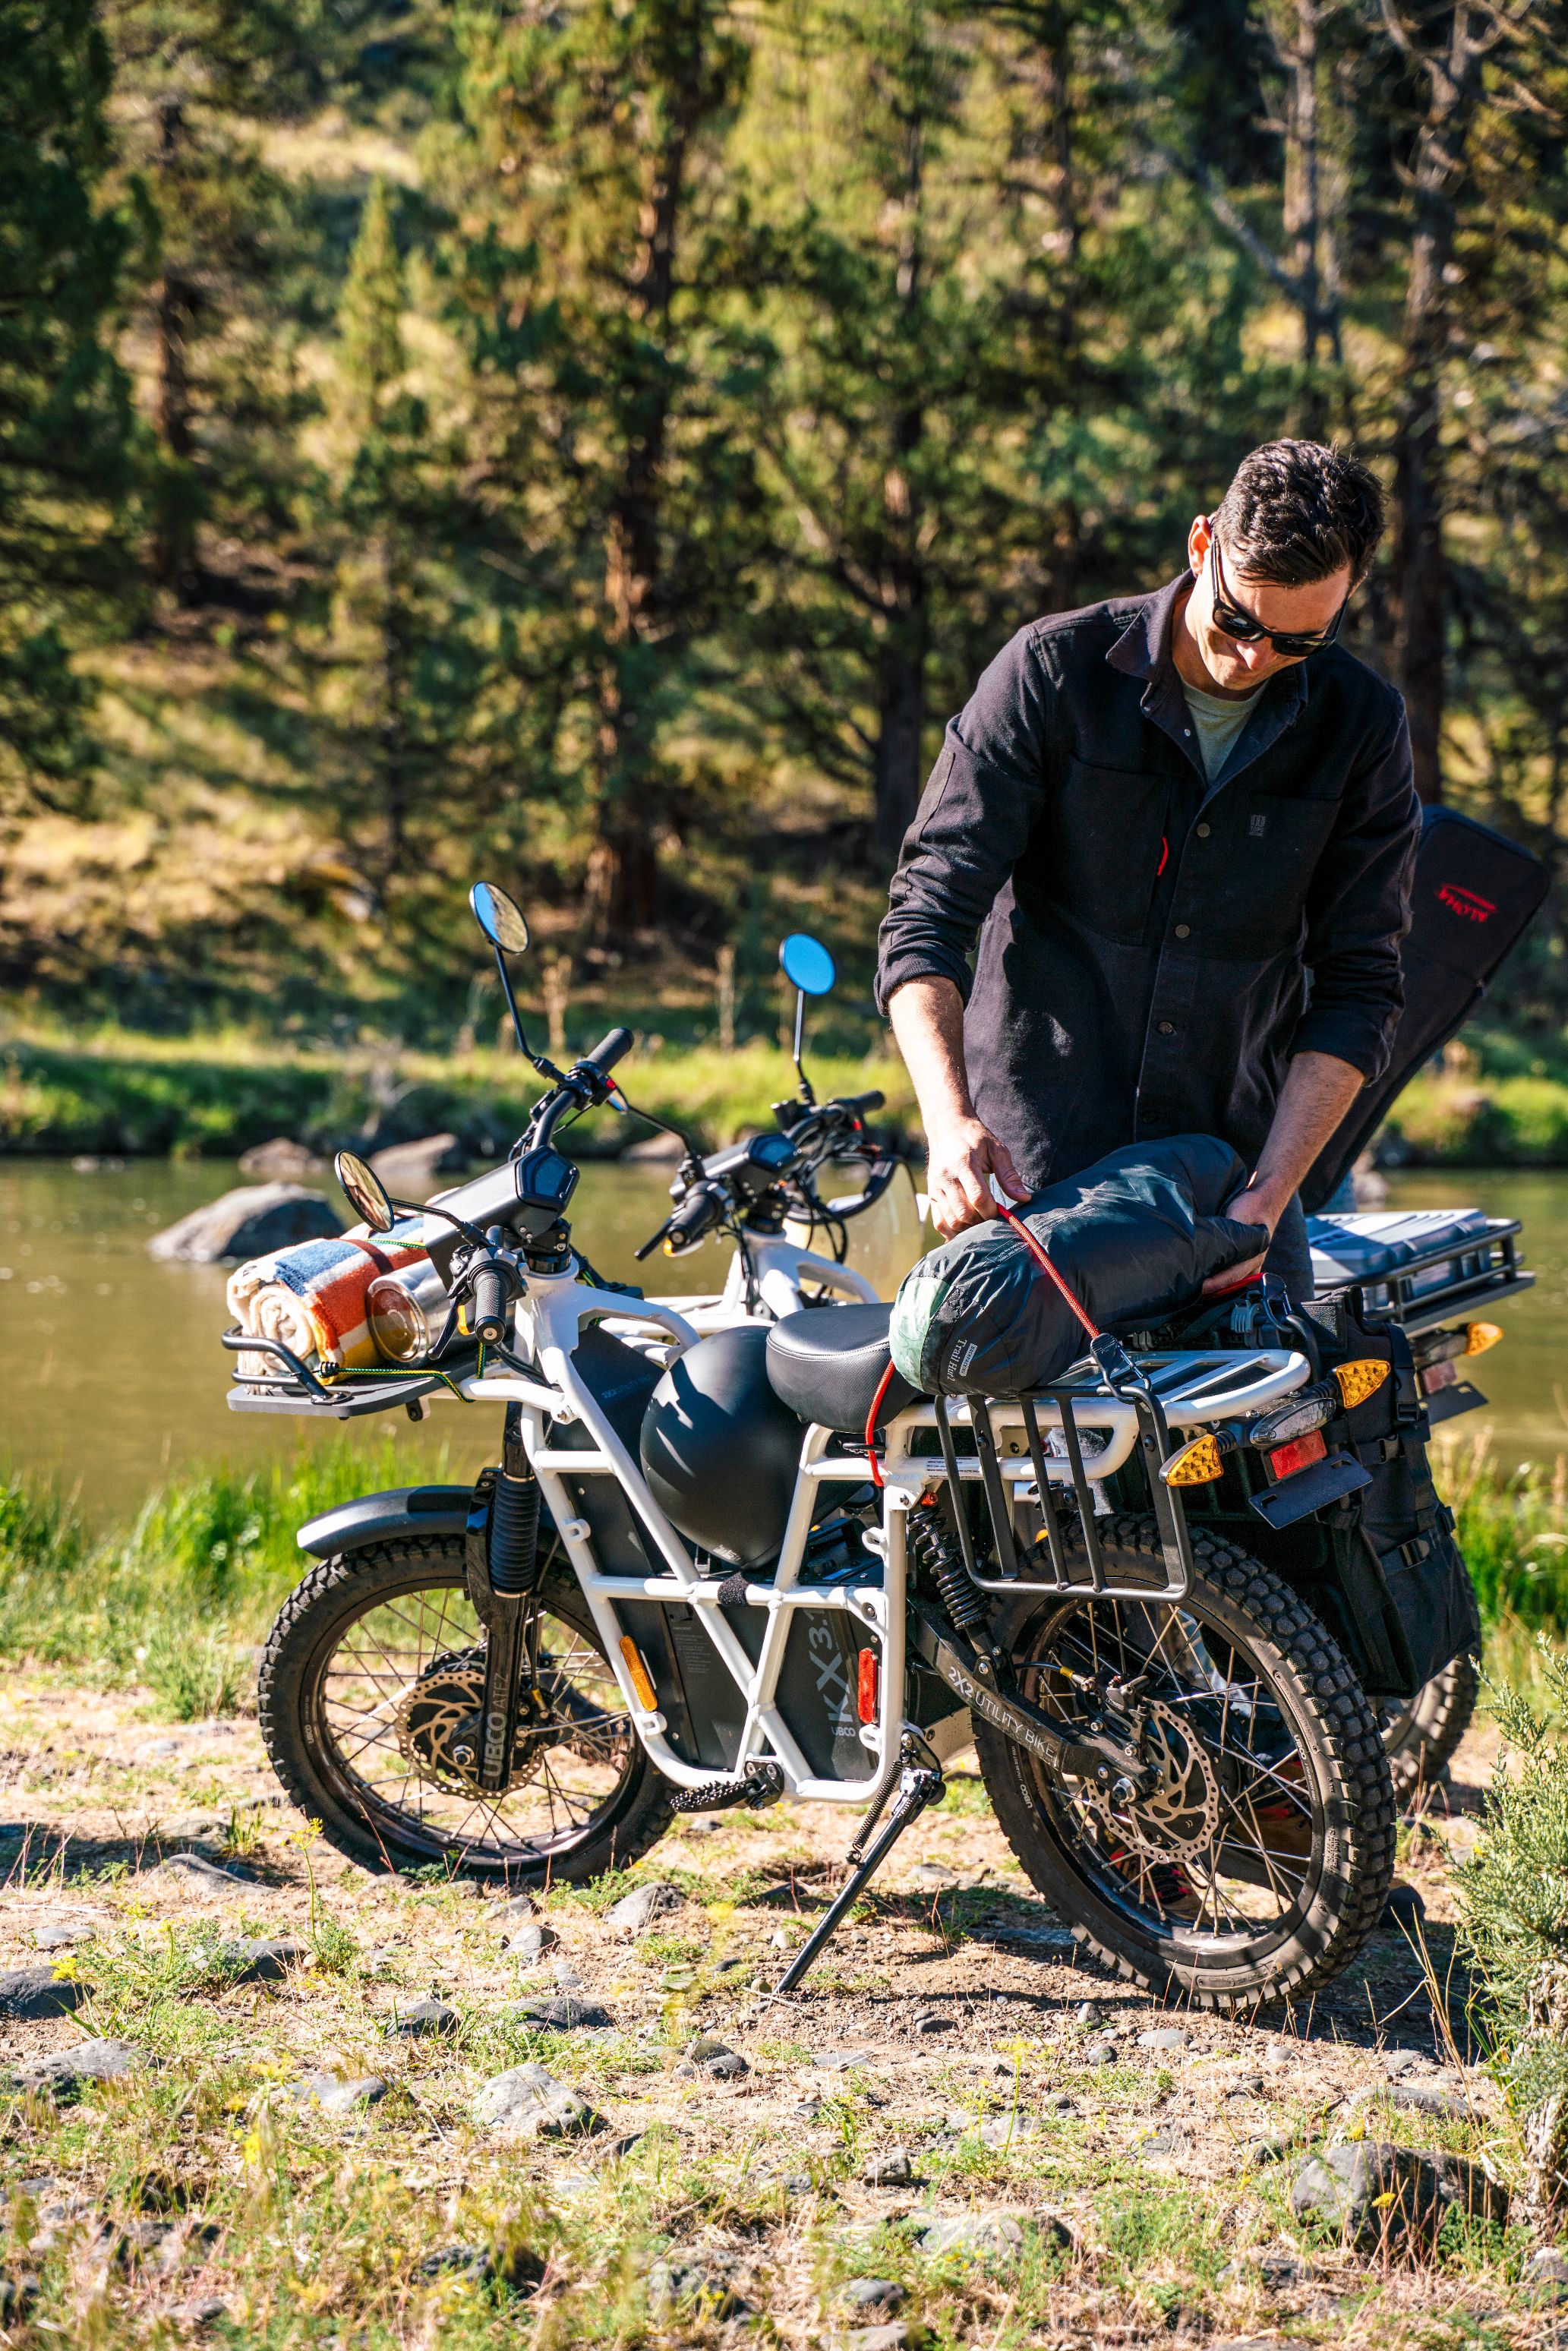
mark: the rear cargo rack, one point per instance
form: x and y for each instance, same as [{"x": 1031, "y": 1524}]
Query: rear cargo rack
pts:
[{"x": 1455, "y": 1275}]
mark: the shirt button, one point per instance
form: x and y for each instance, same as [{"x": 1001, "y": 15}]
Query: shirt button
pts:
[
  {"x": 1203, "y": 833},
  {"x": 1184, "y": 930},
  {"x": 1166, "y": 1028}
]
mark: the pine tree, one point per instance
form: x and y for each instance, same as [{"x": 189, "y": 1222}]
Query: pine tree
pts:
[
  {"x": 64, "y": 412},
  {"x": 413, "y": 760},
  {"x": 598, "y": 299},
  {"x": 224, "y": 250}
]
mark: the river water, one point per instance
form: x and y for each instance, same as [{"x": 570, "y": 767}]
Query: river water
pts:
[{"x": 110, "y": 1376}]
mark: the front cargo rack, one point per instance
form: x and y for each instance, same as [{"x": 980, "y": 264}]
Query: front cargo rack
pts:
[{"x": 297, "y": 1389}]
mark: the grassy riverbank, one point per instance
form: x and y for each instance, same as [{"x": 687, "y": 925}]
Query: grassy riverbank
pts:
[
  {"x": 216, "y": 1550},
  {"x": 123, "y": 1093}
]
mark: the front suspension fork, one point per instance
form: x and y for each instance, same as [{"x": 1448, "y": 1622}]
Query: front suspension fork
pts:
[{"x": 503, "y": 1547}]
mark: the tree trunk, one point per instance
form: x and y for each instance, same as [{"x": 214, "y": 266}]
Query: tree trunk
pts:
[
  {"x": 622, "y": 894},
  {"x": 904, "y": 645},
  {"x": 1419, "y": 582},
  {"x": 175, "y": 311},
  {"x": 1307, "y": 232}
]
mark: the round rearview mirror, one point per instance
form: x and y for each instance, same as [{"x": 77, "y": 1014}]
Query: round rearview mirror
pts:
[
  {"x": 807, "y": 964},
  {"x": 499, "y": 918},
  {"x": 364, "y": 1191}
]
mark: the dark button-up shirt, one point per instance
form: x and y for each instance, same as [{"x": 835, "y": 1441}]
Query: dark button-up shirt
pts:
[{"x": 1154, "y": 944}]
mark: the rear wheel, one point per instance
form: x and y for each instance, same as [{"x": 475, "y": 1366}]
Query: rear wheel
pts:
[
  {"x": 1421, "y": 1736},
  {"x": 370, "y": 1690},
  {"x": 1257, "y": 1864}
]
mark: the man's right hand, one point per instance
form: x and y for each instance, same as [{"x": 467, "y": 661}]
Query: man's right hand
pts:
[{"x": 963, "y": 1156}]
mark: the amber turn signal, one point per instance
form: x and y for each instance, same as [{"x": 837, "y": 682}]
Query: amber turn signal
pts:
[
  {"x": 641, "y": 1679},
  {"x": 1480, "y": 1336},
  {"x": 1198, "y": 1463},
  {"x": 1359, "y": 1379}
]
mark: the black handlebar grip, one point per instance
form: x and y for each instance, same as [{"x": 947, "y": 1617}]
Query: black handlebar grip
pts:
[
  {"x": 608, "y": 1050},
  {"x": 862, "y": 1102},
  {"x": 701, "y": 1208},
  {"x": 489, "y": 1305}
]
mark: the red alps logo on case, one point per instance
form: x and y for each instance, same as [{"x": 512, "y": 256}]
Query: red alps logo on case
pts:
[{"x": 1465, "y": 903}]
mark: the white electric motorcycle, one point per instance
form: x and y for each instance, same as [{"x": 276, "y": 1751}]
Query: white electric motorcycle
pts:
[{"x": 725, "y": 1568}]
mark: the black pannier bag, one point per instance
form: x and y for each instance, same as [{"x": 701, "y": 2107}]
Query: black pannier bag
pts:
[
  {"x": 1382, "y": 1567},
  {"x": 1134, "y": 1237},
  {"x": 1473, "y": 896}
]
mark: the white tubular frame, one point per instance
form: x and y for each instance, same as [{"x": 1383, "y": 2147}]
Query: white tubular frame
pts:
[
  {"x": 778, "y": 1268},
  {"x": 550, "y": 1316}
]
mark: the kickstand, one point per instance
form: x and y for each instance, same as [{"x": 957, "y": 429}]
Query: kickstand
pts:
[{"x": 920, "y": 1782}]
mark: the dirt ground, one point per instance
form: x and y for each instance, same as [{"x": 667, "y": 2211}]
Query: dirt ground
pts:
[{"x": 937, "y": 2068}]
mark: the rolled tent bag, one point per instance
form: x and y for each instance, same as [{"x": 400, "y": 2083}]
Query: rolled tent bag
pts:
[{"x": 1134, "y": 1237}]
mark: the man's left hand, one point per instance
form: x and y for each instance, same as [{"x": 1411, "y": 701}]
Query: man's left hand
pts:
[{"x": 1261, "y": 1204}]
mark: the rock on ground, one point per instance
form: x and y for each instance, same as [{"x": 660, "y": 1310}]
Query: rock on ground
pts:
[
  {"x": 425, "y": 2018},
  {"x": 65, "y": 2071},
  {"x": 30, "y": 1993},
  {"x": 1380, "y": 2195},
  {"x": 643, "y": 1904},
  {"x": 248, "y": 1222},
  {"x": 339, "y": 2098},
  {"x": 529, "y": 2101},
  {"x": 261, "y": 1958}
]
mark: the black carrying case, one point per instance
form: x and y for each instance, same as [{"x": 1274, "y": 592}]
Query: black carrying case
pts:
[{"x": 1473, "y": 897}]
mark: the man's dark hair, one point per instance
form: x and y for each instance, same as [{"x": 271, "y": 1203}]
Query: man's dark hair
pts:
[{"x": 1297, "y": 511}]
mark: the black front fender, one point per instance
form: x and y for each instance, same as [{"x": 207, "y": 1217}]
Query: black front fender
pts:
[{"x": 401, "y": 1511}]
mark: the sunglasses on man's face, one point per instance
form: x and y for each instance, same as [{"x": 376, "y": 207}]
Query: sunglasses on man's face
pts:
[{"x": 1245, "y": 628}]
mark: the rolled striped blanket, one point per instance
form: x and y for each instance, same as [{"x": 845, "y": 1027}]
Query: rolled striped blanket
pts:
[{"x": 312, "y": 1297}]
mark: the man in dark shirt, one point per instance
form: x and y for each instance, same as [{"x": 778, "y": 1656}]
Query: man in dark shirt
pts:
[{"x": 1181, "y": 826}]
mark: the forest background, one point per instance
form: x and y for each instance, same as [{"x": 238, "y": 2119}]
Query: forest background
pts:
[{"x": 598, "y": 445}]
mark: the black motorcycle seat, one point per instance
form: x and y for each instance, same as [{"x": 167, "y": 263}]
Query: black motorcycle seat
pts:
[{"x": 827, "y": 1364}]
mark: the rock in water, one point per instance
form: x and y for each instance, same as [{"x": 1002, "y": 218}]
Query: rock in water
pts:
[
  {"x": 248, "y": 1222},
  {"x": 281, "y": 1161},
  {"x": 409, "y": 1170}
]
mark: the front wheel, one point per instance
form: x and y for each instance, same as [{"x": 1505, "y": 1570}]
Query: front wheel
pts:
[
  {"x": 371, "y": 1693},
  {"x": 1257, "y": 1864}
]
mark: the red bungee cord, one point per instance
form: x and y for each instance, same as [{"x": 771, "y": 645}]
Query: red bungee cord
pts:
[{"x": 1037, "y": 1251}]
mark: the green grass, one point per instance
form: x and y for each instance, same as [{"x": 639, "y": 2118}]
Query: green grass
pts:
[
  {"x": 175, "y": 1599},
  {"x": 119, "y": 1092}
]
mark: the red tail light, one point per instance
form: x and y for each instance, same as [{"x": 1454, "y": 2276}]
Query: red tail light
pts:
[
  {"x": 866, "y": 1686},
  {"x": 1286, "y": 1460}
]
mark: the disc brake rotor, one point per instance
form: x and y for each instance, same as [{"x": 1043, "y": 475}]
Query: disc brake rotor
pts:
[
  {"x": 1177, "y": 1819},
  {"x": 439, "y": 1724}
]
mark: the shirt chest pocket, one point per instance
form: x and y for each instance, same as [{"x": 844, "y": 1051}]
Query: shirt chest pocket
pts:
[
  {"x": 1269, "y": 852},
  {"x": 1098, "y": 849}
]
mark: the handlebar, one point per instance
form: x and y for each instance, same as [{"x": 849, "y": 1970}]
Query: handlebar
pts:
[
  {"x": 860, "y": 1103},
  {"x": 489, "y": 1311},
  {"x": 609, "y": 1048}
]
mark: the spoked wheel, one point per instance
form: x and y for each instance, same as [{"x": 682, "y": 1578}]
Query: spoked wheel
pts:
[
  {"x": 1256, "y": 1863},
  {"x": 371, "y": 1688},
  {"x": 1421, "y": 1735}
]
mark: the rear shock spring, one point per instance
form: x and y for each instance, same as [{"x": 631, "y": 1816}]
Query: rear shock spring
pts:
[{"x": 937, "y": 1550}]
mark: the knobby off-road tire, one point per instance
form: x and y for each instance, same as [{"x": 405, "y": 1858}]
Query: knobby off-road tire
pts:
[
  {"x": 1422, "y": 1736},
  {"x": 371, "y": 1665},
  {"x": 1299, "y": 1865}
]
